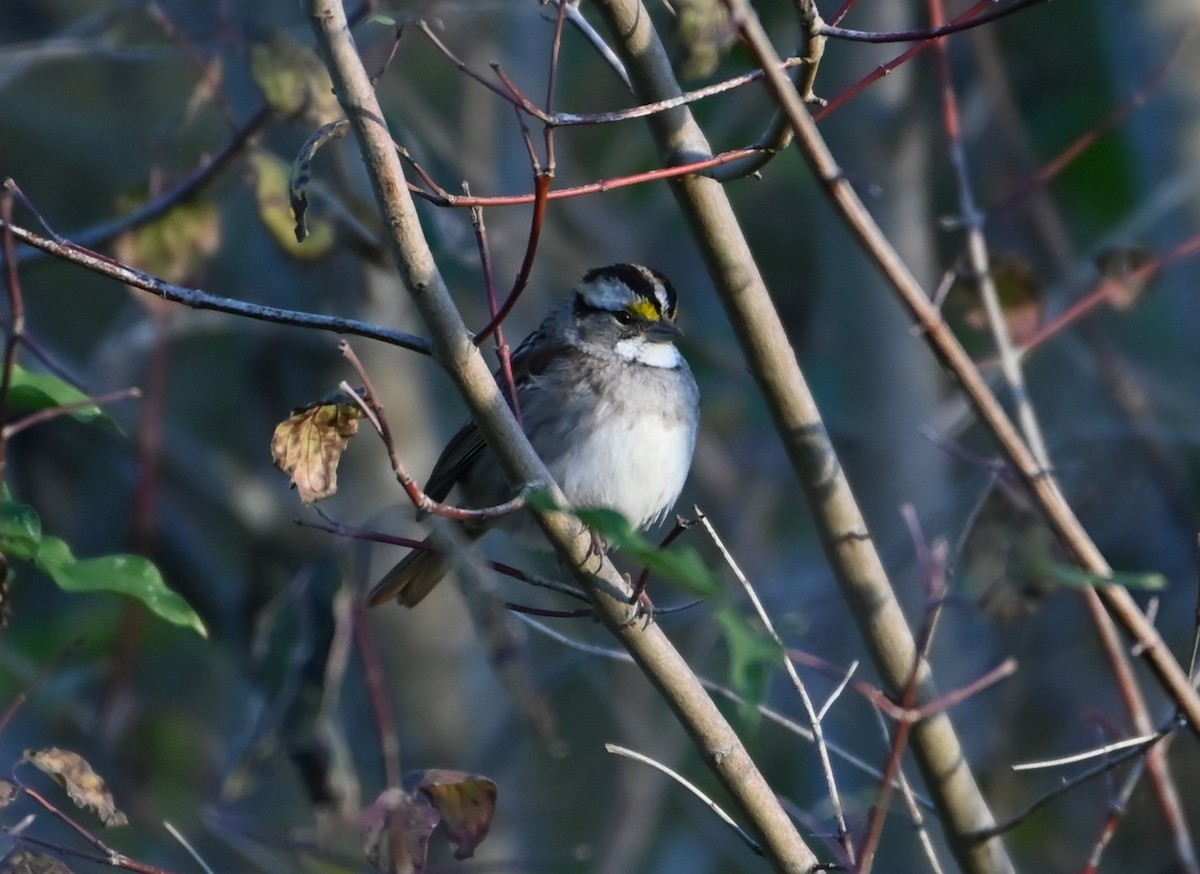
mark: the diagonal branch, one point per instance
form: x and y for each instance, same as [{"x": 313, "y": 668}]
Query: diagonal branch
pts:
[
  {"x": 1042, "y": 487},
  {"x": 722, "y": 750},
  {"x": 769, "y": 356}
]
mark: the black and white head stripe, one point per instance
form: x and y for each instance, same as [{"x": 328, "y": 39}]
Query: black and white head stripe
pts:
[{"x": 629, "y": 287}]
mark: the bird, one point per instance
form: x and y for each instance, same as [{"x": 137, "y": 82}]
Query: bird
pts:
[{"x": 608, "y": 403}]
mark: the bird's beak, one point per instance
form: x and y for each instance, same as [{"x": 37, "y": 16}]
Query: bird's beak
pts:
[{"x": 663, "y": 331}]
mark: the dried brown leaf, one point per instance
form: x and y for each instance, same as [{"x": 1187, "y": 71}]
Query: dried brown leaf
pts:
[
  {"x": 467, "y": 804},
  {"x": 85, "y": 787},
  {"x": 1119, "y": 264},
  {"x": 25, "y": 862},
  {"x": 308, "y": 446},
  {"x": 1020, "y": 295},
  {"x": 271, "y": 193},
  {"x": 396, "y": 831}
]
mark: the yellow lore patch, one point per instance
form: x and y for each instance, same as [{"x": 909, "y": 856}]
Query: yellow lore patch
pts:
[{"x": 642, "y": 308}]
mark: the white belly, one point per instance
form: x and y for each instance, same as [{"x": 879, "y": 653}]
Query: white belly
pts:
[{"x": 636, "y": 469}]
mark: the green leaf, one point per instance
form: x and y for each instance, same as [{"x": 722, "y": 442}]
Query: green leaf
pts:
[
  {"x": 752, "y": 657},
  {"x": 31, "y": 392},
  {"x": 681, "y": 565},
  {"x": 20, "y": 530},
  {"x": 132, "y": 575},
  {"x": 1069, "y": 575},
  {"x": 21, "y": 537}
]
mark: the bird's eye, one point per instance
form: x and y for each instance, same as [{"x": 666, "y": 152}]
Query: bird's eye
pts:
[{"x": 623, "y": 317}]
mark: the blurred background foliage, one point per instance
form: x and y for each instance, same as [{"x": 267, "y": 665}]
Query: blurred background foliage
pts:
[{"x": 251, "y": 742}]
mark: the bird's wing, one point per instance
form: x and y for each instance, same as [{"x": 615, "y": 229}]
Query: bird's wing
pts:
[
  {"x": 456, "y": 459},
  {"x": 532, "y": 357}
]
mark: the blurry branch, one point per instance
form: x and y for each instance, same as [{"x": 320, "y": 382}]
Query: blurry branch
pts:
[
  {"x": 1112, "y": 119},
  {"x": 1042, "y": 487},
  {"x": 833, "y": 32},
  {"x": 773, "y": 716},
  {"x": 198, "y": 299},
  {"x": 662, "y": 664},
  {"x": 1010, "y": 365},
  {"x": 690, "y": 787},
  {"x": 181, "y": 191},
  {"x": 768, "y": 354},
  {"x": 1108, "y": 288},
  {"x": 971, "y": 219}
]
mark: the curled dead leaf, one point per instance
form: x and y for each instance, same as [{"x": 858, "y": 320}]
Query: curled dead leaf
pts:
[
  {"x": 84, "y": 786},
  {"x": 467, "y": 804},
  {"x": 26, "y": 862},
  {"x": 308, "y": 446},
  {"x": 1121, "y": 265}
]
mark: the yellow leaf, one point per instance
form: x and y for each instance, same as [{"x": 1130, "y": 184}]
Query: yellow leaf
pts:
[
  {"x": 308, "y": 446},
  {"x": 83, "y": 785}
]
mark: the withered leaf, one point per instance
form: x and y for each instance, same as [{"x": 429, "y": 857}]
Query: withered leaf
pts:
[
  {"x": 174, "y": 246},
  {"x": 1121, "y": 265},
  {"x": 25, "y": 862},
  {"x": 301, "y": 172},
  {"x": 293, "y": 79},
  {"x": 1020, "y": 294},
  {"x": 8, "y": 791},
  {"x": 83, "y": 785},
  {"x": 271, "y": 192},
  {"x": 466, "y": 802},
  {"x": 308, "y": 446},
  {"x": 396, "y": 831}
]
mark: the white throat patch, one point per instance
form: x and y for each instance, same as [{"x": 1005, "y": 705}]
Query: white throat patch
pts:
[{"x": 642, "y": 351}]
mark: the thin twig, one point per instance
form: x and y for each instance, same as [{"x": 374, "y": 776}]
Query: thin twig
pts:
[
  {"x": 51, "y": 413},
  {"x": 772, "y": 716},
  {"x": 814, "y": 720},
  {"x": 930, "y": 33},
  {"x": 1042, "y": 488},
  {"x": 690, "y": 787},
  {"x": 198, "y": 299},
  {"x": 373, "y": 409}
]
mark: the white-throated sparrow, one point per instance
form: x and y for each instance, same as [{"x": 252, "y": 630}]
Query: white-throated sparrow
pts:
[{"x": 608, "y": 403}]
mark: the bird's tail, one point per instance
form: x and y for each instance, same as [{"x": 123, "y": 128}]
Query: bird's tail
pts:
[{"x": 412, "y": 578}]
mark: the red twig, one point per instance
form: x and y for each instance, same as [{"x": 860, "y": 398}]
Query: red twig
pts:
[
  {"x": 1115, "y": 117},
  {"x": 374, "y": 411},
  {"x": 1108, "y": 287}
]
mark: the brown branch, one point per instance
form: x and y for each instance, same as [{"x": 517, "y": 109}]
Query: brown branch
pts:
[
  {"x": 719, "y": 745},
  {"x": 198, "y": 299},
  {"x": 932, "y": 33},
  {"x": 371, "y": 406},
  {"x": 1042, "y": 487},
  {"x": 183, "y": 190}
]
